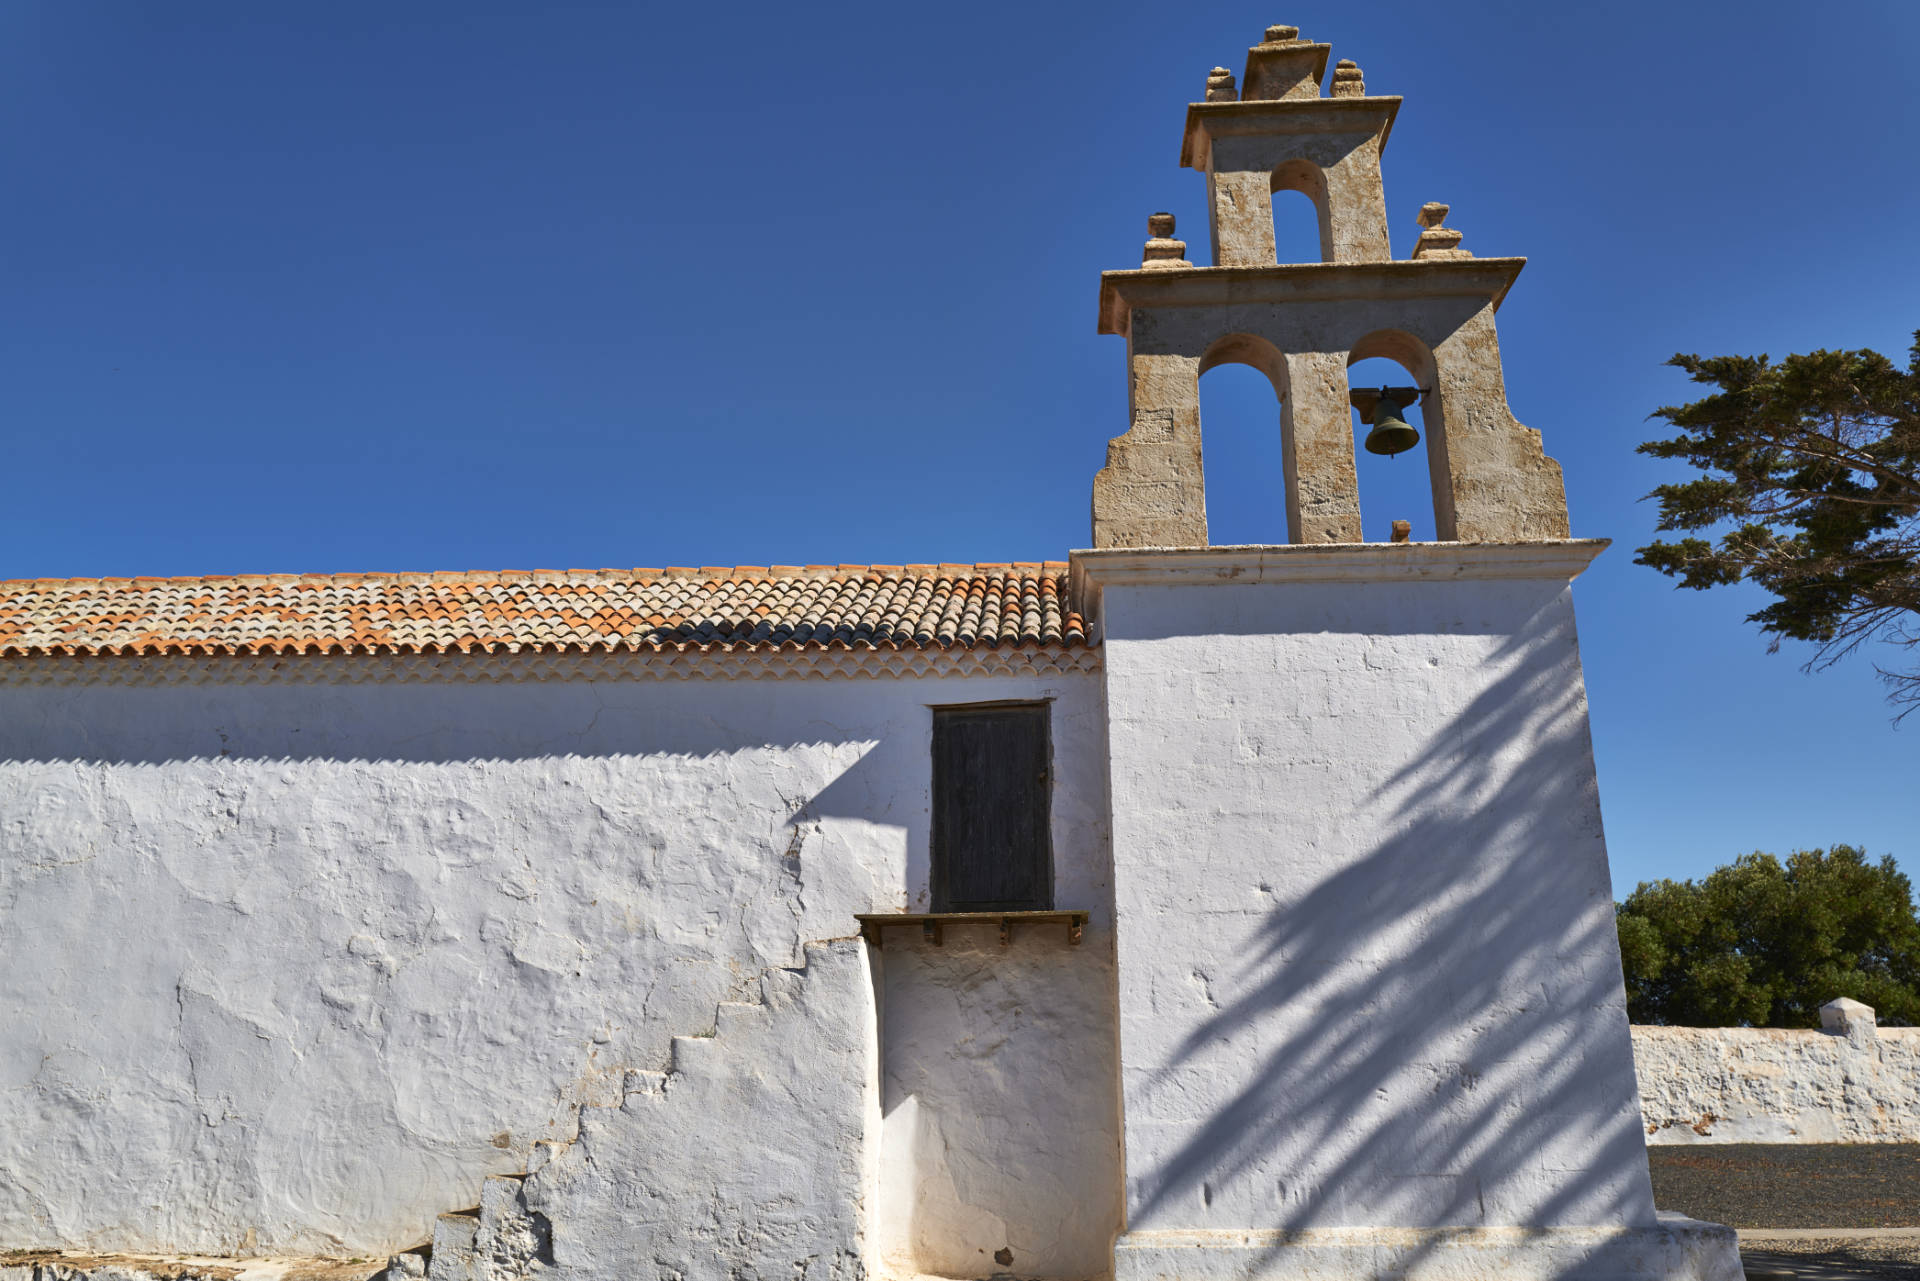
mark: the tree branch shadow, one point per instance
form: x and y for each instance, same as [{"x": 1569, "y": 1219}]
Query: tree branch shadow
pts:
[{"x": 1436, "y": 1028}]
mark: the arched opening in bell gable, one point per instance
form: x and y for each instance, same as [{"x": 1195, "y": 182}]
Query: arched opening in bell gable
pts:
[
  {"x": 1243, "y": 382},
  {"x": 1302, "y": 230},
  {"x": 1398, "y": 486}
]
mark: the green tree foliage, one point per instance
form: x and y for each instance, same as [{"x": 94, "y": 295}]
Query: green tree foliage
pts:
[
  {"x": 1763, "y": 944},
  {"x": 1812, "y": 470}
]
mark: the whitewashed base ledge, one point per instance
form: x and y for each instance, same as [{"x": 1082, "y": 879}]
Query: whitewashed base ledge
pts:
[
  {"x": 74, "y": 1265},
  {"x": 1677, "y": 1249}
]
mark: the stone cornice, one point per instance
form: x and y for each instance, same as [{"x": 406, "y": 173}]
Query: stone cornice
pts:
[
  {"x": 1336, "y": 562},
  {"x": 1401, "y": 279},
  {"x": 1094, "y": 571},
  {"x": 461, "y": 668},
  {"x": 1268, "y": 116}
]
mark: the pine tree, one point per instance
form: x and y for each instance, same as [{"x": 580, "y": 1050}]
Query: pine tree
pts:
[{"x": 1815, "y": 462}]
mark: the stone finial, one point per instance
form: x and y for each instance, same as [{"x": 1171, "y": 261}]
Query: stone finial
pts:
[
  {"x": 1163, "y": 252},
  {"x": 1347, "y": 80},
  {"x": 1220, "y": 86},
  {"x": 1284, "y": 67},
  {"x": 1850, "y": 1018},
  {"x": 1402, "y": 531},
  {"x": 1435, "y": 240}
]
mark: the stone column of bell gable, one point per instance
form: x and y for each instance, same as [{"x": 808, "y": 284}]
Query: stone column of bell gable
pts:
[
  {"x": 1152, "y": 492},
  {"x": 1323, "y": 493},
  {"x": 1357, "y": 205},
  {"x": 1240, "y": 211},
  {"x": 1492, "y": 479}
]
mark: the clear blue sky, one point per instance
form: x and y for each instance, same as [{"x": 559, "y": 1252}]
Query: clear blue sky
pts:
[{"x": 490, "y": 285}]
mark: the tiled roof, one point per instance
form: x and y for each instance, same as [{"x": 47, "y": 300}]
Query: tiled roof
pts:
[{"x": 747, "y": 607}]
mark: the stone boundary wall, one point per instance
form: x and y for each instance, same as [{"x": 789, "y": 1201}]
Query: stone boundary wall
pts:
[{"x": 1848, "y": 1082}]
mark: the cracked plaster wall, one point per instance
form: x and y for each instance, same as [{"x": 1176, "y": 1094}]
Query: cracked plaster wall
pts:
[
  {"x": 291, "y": 967},
  {"x": 753, "y": 1157}
]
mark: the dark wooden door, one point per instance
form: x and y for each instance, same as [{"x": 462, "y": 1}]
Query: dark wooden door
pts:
[{"x": 992, "y": 844}]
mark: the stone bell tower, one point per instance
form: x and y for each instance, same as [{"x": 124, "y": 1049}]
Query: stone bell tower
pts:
[
  {"x": 1371, "y": 1012},
  {"x": 1303, "y": 324}
]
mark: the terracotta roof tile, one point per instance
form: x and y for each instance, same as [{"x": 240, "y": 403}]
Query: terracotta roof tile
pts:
[{"x": 708, "y": 608}]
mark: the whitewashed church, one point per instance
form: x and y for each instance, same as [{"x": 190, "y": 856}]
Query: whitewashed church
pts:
[{"x": 1167, "y": 912}]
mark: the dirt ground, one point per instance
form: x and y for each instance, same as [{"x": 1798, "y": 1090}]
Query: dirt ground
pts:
[{"x": 1862, "y": 1194}]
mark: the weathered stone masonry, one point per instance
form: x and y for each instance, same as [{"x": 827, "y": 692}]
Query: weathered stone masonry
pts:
[
  {"x": 1850, "y": 1082},
  {"x": 1303, "y": 324}
]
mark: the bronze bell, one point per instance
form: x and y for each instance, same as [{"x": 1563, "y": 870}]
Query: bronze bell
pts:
[{"x": 1391, "y": 433}]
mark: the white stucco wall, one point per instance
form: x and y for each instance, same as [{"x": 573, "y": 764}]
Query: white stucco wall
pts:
[
  {"x": 1367, "y": 965},
  {"x": 1000, "y": 1091},
  {"x": 1778, "y": 1085},
  {"x": 290, "y": 966},
  {"x": 753, "y": 1157}
]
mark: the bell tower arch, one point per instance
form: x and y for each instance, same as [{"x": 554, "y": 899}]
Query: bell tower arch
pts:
[
  {"x": 1492, "y": 481},
  {"x": 1280, "y": 134}
]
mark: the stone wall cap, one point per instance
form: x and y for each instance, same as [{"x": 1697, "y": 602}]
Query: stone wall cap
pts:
[{"x": 1844, "y": 1014}]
